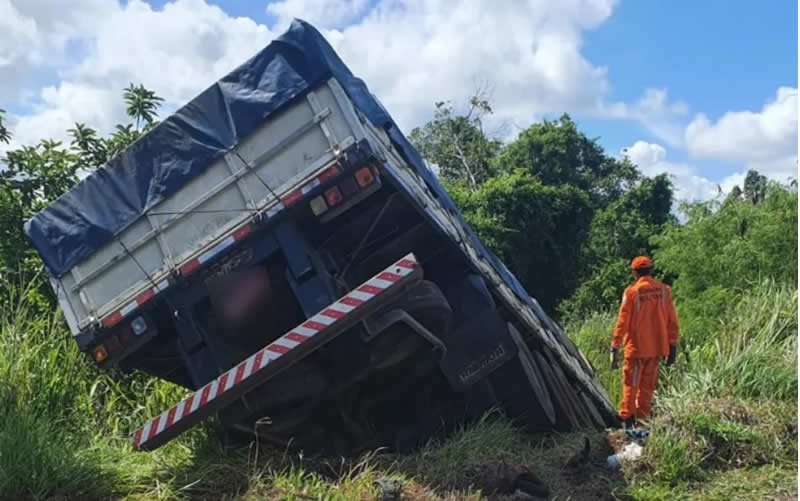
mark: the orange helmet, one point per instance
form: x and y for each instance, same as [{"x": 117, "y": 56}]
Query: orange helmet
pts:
[{"x": 641, "y": 262}]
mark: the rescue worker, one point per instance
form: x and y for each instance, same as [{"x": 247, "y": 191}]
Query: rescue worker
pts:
[{"x": 648, "y": 326}]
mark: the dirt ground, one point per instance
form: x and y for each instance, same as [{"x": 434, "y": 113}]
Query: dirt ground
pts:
[{"x": 570, "y": 473}]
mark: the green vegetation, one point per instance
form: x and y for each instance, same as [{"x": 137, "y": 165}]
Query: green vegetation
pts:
[
  {"x": 567, "y": 219},
  {"x": 731, "y": 405}
]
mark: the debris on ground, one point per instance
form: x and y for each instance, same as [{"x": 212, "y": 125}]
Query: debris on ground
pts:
[
  {"x": 627, "y": 446},
  {"x": 630, "y": 452},
  {"x": 389, "y": 489},
  {"x": 638, "y": 433},
  {"x": 580, "y": 457},
  {"x": 521, "y": 483}
]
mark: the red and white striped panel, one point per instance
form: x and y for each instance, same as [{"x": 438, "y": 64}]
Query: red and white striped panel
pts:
[
  {"x": 281, "y": 346},
  {"x": 208, "y": 255},
  {"x": 144, "y": 297},
  {"x": 296, "y": 195}
]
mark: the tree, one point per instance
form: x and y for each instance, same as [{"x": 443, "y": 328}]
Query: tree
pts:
[
  {"x": 142, "y": 104},
  {"x": 725, "y": 250},
  {"x": 618, "y": 233},
  {"x": 537, "y": 230},
  {"x": 557, "y": 153},
  {"x": 562, "y": 214},
  {"x": 5, "y": 134},
  {"x": 457, "y": 144},
  {"x": 755, "y": 186},
  {"x": 735, "y": 194},
  {"x": 731, "y": 244},
  {"x": 34, "y": 176}
]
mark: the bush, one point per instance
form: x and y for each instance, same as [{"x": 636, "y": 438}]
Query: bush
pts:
[{"x": 732, "y": 246}]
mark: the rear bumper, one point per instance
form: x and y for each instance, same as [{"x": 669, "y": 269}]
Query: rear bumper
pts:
[{"x": 282, "y": 353}]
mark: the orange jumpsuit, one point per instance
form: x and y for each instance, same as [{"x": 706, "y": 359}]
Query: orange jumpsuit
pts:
[{"x": 648, "y": 324}]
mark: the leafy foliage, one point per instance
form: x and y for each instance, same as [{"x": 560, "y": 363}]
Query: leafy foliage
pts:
[
  {"x": 534, "y": 228},
  {"x": 457, "y": 144},
  {"x": 755, "y": 187},
  {"x": 34, "y": 176},
  {"x": 557, "y": 153},
  {"x": 560, "y": 212},
  {"x": 619, "y": 232},
  {"x": 733, "y": 245},
  {"x": 5, "y": 134},
  {"x": 141, "y": 104}
]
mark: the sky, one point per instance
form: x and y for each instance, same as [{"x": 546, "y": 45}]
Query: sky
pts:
[{"x": 703, "y": 91}]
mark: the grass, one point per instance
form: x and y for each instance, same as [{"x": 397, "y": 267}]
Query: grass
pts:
[
  {"x": 728, "y": 410},
  {"x": 724, "y": 427}
]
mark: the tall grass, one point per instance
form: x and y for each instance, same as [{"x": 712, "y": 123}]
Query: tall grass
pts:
[
  {"x": 728, "y": 403},
  {"x": 729, "y": 406},
  {"x": 751, "y": 353},
  {"x": 63, "y": 423}
]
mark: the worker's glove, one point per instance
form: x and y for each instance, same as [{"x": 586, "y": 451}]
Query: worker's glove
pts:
[
  {"x": 614, "y": 358},
  {"x": 673, "y": 351}
]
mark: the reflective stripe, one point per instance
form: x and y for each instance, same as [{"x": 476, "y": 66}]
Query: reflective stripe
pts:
[{"x": 336, "y": 311}]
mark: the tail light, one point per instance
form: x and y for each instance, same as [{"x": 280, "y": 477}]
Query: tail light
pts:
[
  {"x": 350, "y": 188},
  {"x": 333, "y": 196},
  {"x": 364, "y": 177},
  {"x": 99, "y": 353}
]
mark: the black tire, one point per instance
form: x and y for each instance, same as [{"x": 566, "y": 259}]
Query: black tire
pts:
[
  {"x": 535, "y": 377},
  {"x": 566, "y": 419},
  {"x": 597, "y": 419},
  {"x": 571, "y": 394}
]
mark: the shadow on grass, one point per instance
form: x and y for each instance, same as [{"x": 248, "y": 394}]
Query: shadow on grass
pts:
[{"x": 473, "y": 463}]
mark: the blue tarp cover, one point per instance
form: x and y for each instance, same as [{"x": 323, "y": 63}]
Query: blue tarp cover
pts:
[{"x": 184, "y": 144}]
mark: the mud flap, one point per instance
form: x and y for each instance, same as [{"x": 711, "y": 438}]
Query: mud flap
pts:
[{"x": 476, "y": 350}]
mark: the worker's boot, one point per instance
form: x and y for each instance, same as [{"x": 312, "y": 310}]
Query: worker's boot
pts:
[{"x": 628, "y": 423}]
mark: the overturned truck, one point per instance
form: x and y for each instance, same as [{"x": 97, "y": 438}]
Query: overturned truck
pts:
[{"x": 279, "y": 248}]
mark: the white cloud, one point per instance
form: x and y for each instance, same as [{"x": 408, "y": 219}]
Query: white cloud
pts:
[
  {"x": 332, "y": 14},
  {"x": 60, "y": 107},
  {"x": 764, "y": 140},
  {"x": 689, "y": 186},
  {"x": 655, "y": 111},
  {"x": 177, "y": 51},
  {"x": 34, "y": 36},
  {"x": 410, "y": 52},
  {"x": 414, "y": 52}
]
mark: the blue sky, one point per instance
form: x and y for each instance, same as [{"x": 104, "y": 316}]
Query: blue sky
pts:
[
  {"x": 716, "y": 55},
  {"x": 701, "y": 90}
]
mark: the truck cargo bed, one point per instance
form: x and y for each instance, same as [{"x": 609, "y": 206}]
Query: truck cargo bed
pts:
[{"x": 249, "y": 181}]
